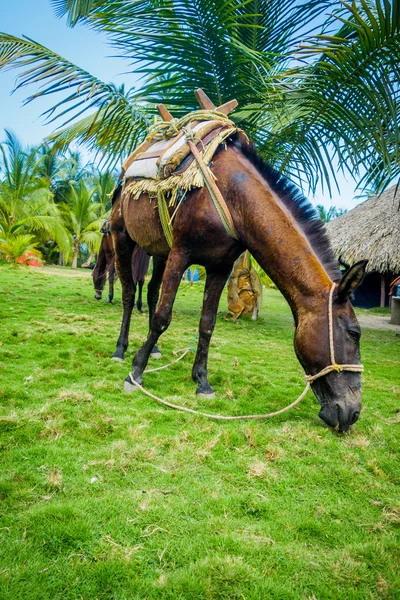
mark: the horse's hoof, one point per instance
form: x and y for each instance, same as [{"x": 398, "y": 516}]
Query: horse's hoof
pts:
[
  {"x": 118, "y": 359},
  {"x": 156, "y": 355},
  {"x": 206, "y": 396},
  {"x": 129, "y": 388}
]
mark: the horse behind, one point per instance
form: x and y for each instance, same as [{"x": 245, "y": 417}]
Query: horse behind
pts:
[
  {"x": 105, "y": 265},
  {"x": 279, "y": 227}
]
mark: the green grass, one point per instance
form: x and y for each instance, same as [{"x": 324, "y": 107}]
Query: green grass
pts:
[
  {"x": 108, "y": 496},
  {"x": 377, "y": 310}
]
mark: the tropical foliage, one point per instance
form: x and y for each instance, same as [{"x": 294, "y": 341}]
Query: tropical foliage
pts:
[
  {"x": 316, "y": 81},
  {"x": 48, "y": 201},
  {"x": 332, "y": 212},
  {"x": 84, "y": 219}
]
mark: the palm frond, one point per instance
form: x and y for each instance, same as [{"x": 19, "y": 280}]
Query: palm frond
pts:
[
  {"x": 76, "y": 10},
  {"x": 183, "y": 44},
  {"x": 115, "y": 112},
  {"x": 346, "y": 102}
]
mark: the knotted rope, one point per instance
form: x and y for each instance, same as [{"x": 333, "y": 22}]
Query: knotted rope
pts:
[
  {"x": 334, "y": 366},
  {"x": 309, "y": 379},
  {"x": 164, "y": 130}
]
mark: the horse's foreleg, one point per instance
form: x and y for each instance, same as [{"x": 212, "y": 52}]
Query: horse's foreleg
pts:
[
  {"x": 153, "y": 291},
  {"x": 124, "y": 247},
  {"x": 212, "y": 293},
  {"x": 139, "y": 302},
  {"x": 176, "y": 264}
]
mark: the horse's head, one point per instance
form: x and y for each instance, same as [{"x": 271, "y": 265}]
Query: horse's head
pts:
[
  {"x": 320, "y": 345},
  {"x": 105, "y": 229}
]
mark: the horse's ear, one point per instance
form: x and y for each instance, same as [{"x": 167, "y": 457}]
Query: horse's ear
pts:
[{"x": 350, "y": 280}]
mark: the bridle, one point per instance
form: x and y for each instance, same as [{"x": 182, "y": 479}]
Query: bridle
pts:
[{"x": 334, "y": 366}]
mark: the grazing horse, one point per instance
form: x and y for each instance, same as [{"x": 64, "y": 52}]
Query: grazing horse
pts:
[
  {"x": 106, "y": 265},
  {"x": 281, "y": 230},
  {"x": 244, "y": 289}
]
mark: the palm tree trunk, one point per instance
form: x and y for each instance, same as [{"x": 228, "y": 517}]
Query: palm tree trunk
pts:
[
  {"x": 89, "y": 260},
  {"x": 75, "y": 256}
]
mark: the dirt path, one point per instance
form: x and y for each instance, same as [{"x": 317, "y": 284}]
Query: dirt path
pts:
[
  {"x": 66, "y": 272},
  {"x": 375, "y": 322}
]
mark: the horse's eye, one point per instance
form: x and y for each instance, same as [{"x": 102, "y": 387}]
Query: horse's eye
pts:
[{"x": 354, "y": 334}]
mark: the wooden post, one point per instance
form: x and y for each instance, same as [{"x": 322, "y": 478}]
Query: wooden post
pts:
[{"x": 383, "y": 290}]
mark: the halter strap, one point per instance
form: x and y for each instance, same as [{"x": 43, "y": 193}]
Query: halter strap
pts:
[{"x": 334, "y": 366}]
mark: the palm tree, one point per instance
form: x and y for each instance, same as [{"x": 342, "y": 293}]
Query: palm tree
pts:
[
  {"x": 304, "y": 99},
  {"x": 103, "y": 184},
  {"x": 83, "y": 217},
  {"x": 331, "y": 213},
  {"x": 26, "y": 203}
]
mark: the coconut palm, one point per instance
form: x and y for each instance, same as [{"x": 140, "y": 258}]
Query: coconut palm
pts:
[
  {"x": 103, "y": 184},
  {"x": 304, "y": 99},
  {"x": 83, "y": 217},
  {"x": 27, "y": 207},
  {"x": 332, "y": 212}
]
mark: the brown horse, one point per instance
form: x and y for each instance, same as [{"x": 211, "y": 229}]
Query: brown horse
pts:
[
  {"x": 105, "y": 265},
  {"x": 281, "y": 230}
]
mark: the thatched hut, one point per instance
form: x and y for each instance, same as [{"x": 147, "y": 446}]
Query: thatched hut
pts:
[{"x": 370, "y": 231}]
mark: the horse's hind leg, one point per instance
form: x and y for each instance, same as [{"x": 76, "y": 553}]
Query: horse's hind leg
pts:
[
  {"x": 176, "y": 264},
  {"x": 153, "y": 290},
  {"x": 124, "y": 247},
  {"x": 139, "y": 303},
  {"x": 111, "y": 280},
  {"x": 212, "y": 293}
]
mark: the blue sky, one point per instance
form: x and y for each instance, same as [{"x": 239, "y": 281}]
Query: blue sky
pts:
[{"x": 35, "y": 19}]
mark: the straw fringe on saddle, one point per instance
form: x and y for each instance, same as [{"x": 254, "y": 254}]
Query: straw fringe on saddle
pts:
[
  {"x": 163, "y": 167},
  {"x": 191, "y": 178}
]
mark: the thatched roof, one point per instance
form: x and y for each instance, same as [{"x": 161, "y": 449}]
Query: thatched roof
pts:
[{"x": 370, "y": 231}]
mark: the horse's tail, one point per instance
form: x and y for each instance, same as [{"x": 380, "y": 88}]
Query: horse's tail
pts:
[{"x": 140, "y": 264}]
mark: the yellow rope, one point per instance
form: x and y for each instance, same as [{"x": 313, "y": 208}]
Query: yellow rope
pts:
[
  {"x": 309, "y": 380},
  {"x": 164, "y": 130},
  {"x": 164, "y": 218}
]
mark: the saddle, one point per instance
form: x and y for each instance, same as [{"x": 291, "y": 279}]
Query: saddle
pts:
[
  {"x": 160, "y": 158},
  {"x": 175, "y": 158}
]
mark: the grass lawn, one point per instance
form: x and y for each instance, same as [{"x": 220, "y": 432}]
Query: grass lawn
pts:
[{"x": 109, "y": 496}]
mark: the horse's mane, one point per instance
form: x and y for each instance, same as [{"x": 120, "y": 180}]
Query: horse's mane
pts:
[{"x": 298, "y": 205}]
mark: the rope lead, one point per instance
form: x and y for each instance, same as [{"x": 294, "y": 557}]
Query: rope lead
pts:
[{"x": 309, "y": 379}]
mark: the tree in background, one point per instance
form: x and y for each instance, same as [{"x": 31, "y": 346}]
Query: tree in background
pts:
[
  {"x": 50, "y": 202},
  {"x": 83, "y": 217},
  {"x": 315, "y": 79},
  {"x": 331, "y": 213},
  {"x": 28, "y": 214}
]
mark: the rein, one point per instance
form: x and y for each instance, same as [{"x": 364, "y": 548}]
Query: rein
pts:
[{"x": 334, "y": 366}]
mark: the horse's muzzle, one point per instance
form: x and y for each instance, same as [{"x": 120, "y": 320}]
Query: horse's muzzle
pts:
[{"x": 343, "y": 414}]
